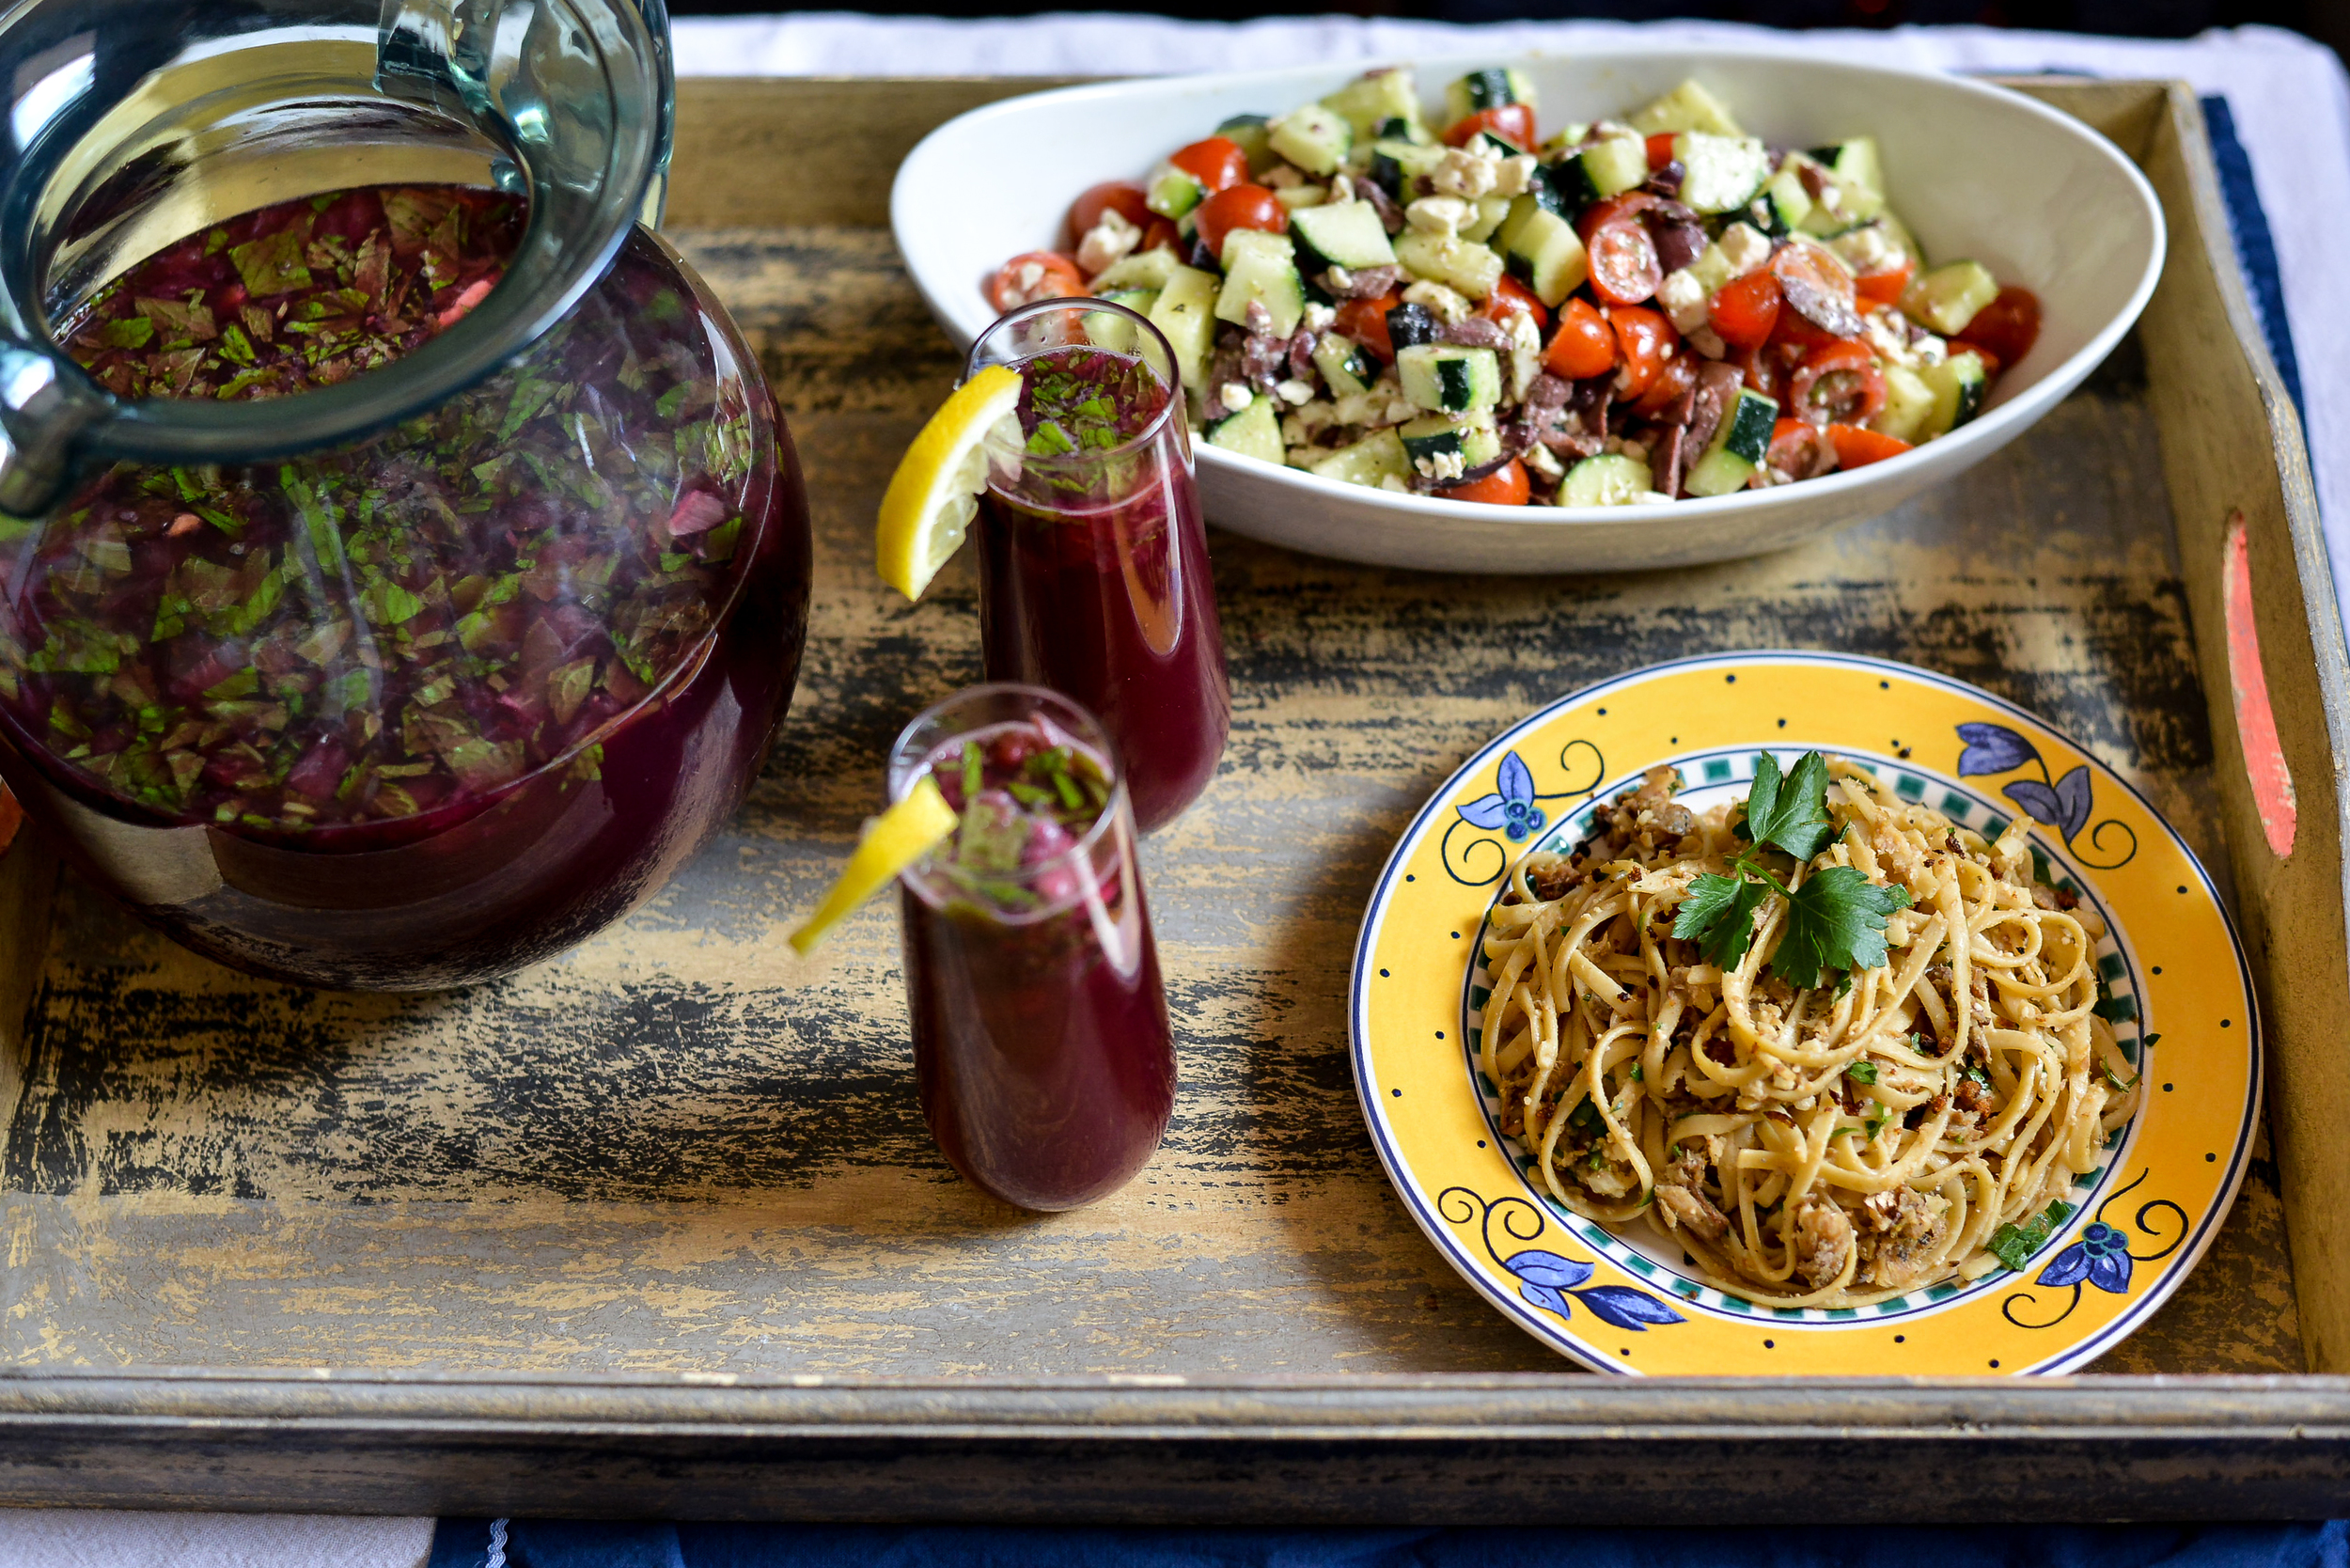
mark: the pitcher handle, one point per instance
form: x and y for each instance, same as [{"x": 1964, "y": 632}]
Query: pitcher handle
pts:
[{"x": 45, "y": 410}]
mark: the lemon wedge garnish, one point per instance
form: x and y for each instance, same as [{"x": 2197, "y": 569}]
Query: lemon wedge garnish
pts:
[
  {"x": 893, "y": 840},
  {"x": 936, "y": 492}
]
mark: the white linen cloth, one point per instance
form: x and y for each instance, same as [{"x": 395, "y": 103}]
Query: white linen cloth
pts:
[{"x": 2290, "y": 98}]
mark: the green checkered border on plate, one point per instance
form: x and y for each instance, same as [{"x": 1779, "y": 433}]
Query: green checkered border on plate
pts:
[{"x": 1704, "y": 772}]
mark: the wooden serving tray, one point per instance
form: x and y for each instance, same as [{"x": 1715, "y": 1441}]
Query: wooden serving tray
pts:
[{"x": 657, "y": 1229}]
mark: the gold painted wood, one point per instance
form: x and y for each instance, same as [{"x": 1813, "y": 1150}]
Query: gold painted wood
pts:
[{"x": 679, "y": 1154}]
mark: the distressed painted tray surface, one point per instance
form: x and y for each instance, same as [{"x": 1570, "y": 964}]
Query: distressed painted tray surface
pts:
[{"x": 679, "y": 1149}]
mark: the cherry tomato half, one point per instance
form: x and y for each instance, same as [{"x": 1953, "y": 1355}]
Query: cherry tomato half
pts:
[
  {"x": 1506, "y": 486},
  {"x": 1856, "y": 447},
  {"x": 1625, "y": 266},
  {"x": 1366, "y": 322},
  {"x": 1647, "y": 340},
  {"x": 1159, "y": 231},
  {"x": 1886, "y": 287},
  {"x": 1039, "y": 275},
  {"x": 1674, "y": 378},
  {"x": 1238, "y": 207},
  {"x": 1660, "y": 151},
  {"x": 1795, "y": 447},
  {"x": 1122, "y": 196},
  {"x": 1512, "y": 298},
  {"x": 2008, "y": 326},
  {"x": 1513, "y": 122},
  {"x": 1218, "y": 163},
  {"x": 1608, "y": 210},
  {"x": 1745, "y": 309},
  {"x": 1837, "y": 383},
  {"x": 1584, "y": 345}
]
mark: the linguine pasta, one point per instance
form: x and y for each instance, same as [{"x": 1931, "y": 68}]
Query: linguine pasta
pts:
[{"x": 1808, "y": 1147}]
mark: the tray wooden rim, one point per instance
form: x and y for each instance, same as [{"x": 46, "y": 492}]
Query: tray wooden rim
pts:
[{"x": 1364, "y": 1449}]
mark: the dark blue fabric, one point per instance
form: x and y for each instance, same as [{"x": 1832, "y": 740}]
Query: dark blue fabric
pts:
[
  {"x": 2255, "y": 249},
  {"x": 535, "y": 1544}
]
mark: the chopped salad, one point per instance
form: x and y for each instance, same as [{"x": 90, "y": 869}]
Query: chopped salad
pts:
[{"x": 1626, "y": 312}]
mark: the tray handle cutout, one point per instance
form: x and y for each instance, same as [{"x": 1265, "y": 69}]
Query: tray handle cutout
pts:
[{"x": 2248, "y": 682}]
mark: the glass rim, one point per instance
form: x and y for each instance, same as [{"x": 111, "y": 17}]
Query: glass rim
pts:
[
  {"x": 1092, "y": 455},
  {"x": 902, "y": 767}
]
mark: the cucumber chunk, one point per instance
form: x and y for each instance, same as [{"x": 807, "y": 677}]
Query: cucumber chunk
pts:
[
  {"x": 1783, "y": 205},
  {"x": 1490, "y": 89},
  {"x": 1375, "y": 458},
  {"x": 1449, "y": 377},
  {"x": 1144, "y": 269},
  {"x": 1186, "y": 317},
  {"x": 1450, "y": 446},
  {"x": 1544, "y": 252},
  {"x": 1368, "y": 102},
  {"x": 1250, "y": 132},
  {"x": 1958, "y": 384},
  {"x": 1856, "y": 164},
  {"x": 1261, "y": 267},
  {"x": 1174, "y": 192},
  {"x": 1491, "y": 212},
  {"x": 1314, "y": 138},
  {"x": 1606, "y": 168},
  {"x": 1254, "y": 432},
  {"x": 1739, "y": 443},
  {"x": 1346, "y": 367},
  {"x": 1396, "y": 166},
  {"x": 1688, "y": 107},
  {"x": 1724, "y": 173},
  {"x": 1347, "y": 234},
  {"x": 1841, "y": 204},
  {"x": 1608, "y": 480},
  {"x": 1947, "y": 298},
  {"x": 1908, "y": 402},
  {"x": 1458, "y": 263}
]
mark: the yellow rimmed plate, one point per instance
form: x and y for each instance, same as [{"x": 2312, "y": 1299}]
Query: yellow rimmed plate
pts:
[{"x": 2178, "y": 993}]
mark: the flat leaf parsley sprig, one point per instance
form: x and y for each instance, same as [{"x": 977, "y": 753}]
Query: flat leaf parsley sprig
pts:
[{"x": 1835, "y": 921}]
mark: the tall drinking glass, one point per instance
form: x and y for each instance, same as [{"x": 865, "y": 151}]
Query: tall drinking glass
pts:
[
  {"x": 1093, "y": 562},
  {"x": 1041, "y": 1040}
]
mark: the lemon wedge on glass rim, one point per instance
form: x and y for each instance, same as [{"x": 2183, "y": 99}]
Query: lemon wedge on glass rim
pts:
[
  {"x": 893, "y": 840},
  {"x": 934, "y": 493}
]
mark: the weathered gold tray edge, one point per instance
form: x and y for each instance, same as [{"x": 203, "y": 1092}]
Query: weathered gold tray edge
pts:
[{"x": 1440, "y": 1447}]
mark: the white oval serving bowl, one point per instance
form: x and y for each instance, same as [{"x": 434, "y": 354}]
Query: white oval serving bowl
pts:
[{"x": 1974, "y": 171}]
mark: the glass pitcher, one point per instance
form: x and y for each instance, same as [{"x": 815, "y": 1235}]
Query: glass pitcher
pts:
[{"x": 404, "y": 565}]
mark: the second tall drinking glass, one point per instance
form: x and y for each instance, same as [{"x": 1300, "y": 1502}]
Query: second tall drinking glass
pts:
[{"x": 1093, "y": 562}]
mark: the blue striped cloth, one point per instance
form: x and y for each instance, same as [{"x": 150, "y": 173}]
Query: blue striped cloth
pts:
[
  {"x": 542, "y": 1544},
  {"x": 535, "y": 1543}
]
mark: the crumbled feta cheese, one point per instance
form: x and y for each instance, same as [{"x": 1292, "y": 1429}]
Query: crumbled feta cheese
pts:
[
  {"x": 1438, "y": 214},
  {"x": 1707, "y": 341},
  {"x": 1651, "y": 498},
  {"x": 1310, "y": 420},
  {"x": 1280, "y": 177},
  {"x": 1515, "y": 175},
  {"x": 1342, "y": 187},
  {"x": 1543, "y": 461},
  {"x": 1868, "y": 249},
  {"x": 1234, "y": 396},
  {"x": 1683, "y": 299},
  {"x": 1317, "y": 319},
  {"x": 1341, "y": 279},
  {"x": 1897, "y": 342},
  {"x": 1446, "y": 304},
  {"x": 1294, "y": 392},
  {"x": 1107, "y": 241},
  {"x": 1465, "y": 172},
  {"x": 1745, "y": 247},
  {"x": 1395, "y": 482},
  {"x": 1526, "y": 353},
  {"x": 1444, "y": 466}
]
